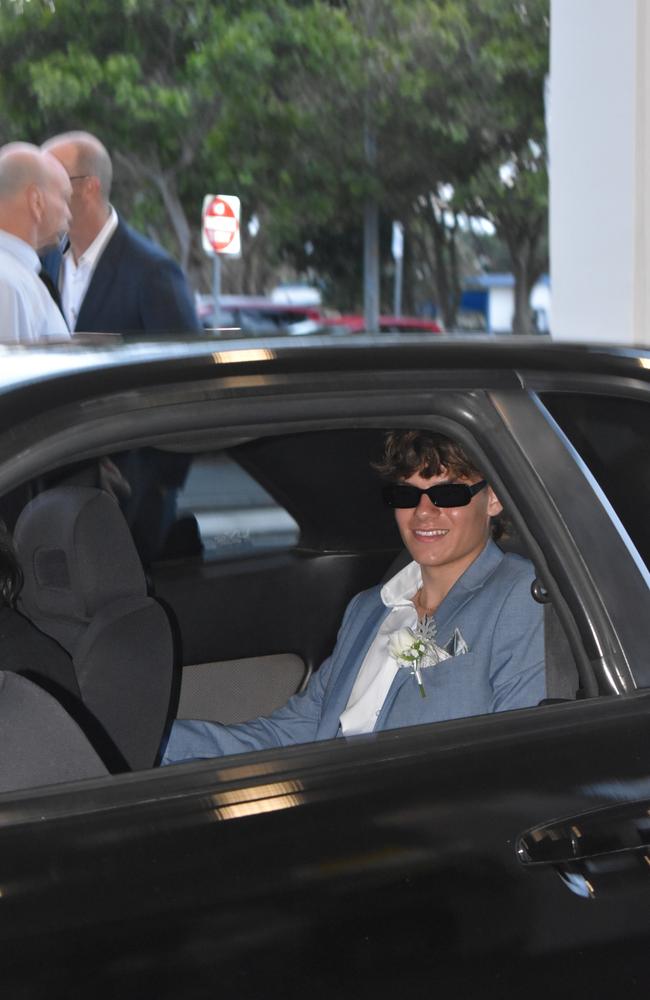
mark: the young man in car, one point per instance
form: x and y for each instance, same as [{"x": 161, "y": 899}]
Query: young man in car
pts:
[{"x": 455, "y": 633}]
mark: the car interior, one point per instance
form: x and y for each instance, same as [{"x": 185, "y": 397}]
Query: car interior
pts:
[{"x": 210, "y": 584}]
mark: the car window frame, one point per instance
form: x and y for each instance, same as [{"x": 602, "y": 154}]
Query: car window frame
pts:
[{"x": 228, "y": 406}]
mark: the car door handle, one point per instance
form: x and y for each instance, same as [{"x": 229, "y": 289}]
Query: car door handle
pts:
[{"x": 594, "y": 852}]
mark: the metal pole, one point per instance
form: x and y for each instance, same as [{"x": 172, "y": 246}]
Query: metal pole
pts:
[
  {"x": 216, "y": 290},
  {"x": 397, "y": 299},
  {"x": 371, "y": 265},
  {"x": 371, "y": 291}
]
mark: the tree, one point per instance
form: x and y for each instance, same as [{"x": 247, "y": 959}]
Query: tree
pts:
[
  {"x": 456, "y": 95},
  {"x": 509, "y": 45},
  {"x": 277, "y": 102},
  {"x": 163, "y": 84}
]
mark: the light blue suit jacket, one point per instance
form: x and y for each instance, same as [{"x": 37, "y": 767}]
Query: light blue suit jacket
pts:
[{"x": 502, "y": 625}]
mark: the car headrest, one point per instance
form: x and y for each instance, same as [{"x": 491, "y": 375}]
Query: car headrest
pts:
[{"x": 77, "y": 556}]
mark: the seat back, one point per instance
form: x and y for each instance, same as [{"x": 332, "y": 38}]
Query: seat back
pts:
[
  {"x": 41, "y": 745},
  {"x": 85, "y": 587}
]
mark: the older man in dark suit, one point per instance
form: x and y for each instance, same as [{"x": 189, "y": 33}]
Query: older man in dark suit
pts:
[{"x": 110, "y": 278}]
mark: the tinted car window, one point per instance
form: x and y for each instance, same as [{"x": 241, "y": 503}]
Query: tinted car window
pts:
[
  {"x": 233, "y": 512},
  {"x": 183, "y": 505},
  {"x": 611, "y": 435},
  {"x": 262, "y": 495}
]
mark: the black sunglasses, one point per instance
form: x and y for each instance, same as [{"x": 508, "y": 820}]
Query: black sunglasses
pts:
[{"x": 444, "y": 495}]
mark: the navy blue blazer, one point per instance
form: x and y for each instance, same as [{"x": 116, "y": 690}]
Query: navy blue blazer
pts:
[
  {"x": 136, "y": 286},
  {"x": 503, "y": 669}
]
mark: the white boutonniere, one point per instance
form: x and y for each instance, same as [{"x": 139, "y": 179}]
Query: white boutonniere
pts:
[{"x": 416, "y": 648}]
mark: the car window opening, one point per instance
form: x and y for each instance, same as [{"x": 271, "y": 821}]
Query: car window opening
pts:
[{"x": 294, "y": 538}]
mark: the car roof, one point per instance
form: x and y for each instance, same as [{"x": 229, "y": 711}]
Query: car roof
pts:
[{"x": 163, "y": 358}]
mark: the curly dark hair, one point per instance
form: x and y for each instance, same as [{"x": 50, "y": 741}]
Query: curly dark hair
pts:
[
  {"x": 407, "y": 452},
  {"x": 11, "y": 576}
]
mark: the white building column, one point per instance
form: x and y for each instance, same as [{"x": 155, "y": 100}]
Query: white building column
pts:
[{"x": 599, "y": 144}]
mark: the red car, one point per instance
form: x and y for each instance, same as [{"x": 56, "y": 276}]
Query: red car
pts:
[{"x": 356, "y": 323}]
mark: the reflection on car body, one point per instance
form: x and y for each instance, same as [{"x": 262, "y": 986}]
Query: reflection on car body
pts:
[{"x": 381, "y": 863}]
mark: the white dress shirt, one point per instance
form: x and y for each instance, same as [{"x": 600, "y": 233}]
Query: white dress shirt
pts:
[
  {"x": 379, "y": 667},
  {"x": 28, "y": 313},
  {"x": 75, "y": 275}
]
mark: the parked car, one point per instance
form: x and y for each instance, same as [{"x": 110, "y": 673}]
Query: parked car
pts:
[
  {"x": 252, "y": 315},
  {"x": 296, "y": 295},
  {"x": 494, "y": 856},
  {"x": 354, "y": 323}
]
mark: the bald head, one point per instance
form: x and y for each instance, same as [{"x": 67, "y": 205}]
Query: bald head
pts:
[
  {"x": 89, "y": 168},
  {"x": 21, "y": 164},
  {"x": 58, "y": 194},
  {"x": 83, "y": 155},
  {"x": 35, "y": 194}
]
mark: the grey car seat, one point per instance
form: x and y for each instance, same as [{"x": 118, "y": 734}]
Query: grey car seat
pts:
[
  {"x": 85, "y": 587},
  {"x": 41, "y": 745}
]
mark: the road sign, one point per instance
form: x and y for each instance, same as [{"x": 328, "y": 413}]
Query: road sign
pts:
[{"x": 220, "y": 224}]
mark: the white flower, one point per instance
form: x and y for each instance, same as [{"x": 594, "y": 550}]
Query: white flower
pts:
[
  {"x": 416, "y": 648},
  {"x": 405, "y": 646}
]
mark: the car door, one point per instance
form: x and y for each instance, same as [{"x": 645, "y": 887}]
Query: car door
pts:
[
  {"x": 436, "y": 857},
  {"x": 362, "y": 867}
]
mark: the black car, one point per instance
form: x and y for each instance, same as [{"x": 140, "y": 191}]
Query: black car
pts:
[{"x": 497, "y": 856}]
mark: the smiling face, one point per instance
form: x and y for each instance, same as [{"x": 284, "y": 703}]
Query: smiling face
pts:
[{"x": 446, "y": 540}]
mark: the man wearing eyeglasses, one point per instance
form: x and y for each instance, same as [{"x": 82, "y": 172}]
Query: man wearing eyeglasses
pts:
[
  {"x": 454, "y": 633},
  {"x": 110, "y": 278}
]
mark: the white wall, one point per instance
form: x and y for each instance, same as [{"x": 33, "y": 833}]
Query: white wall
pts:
[
  {"x": 540, "y": 301},
  {"x": 501, "y": 305},
  {"x": 599, "y": 135}
]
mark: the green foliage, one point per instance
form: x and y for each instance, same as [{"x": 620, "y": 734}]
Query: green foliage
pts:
[{"x": 303, "y": 108}]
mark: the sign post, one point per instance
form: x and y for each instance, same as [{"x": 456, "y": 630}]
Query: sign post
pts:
[
  {"x": 398, "y": 257},
  {"x": 216, "y": 290},
  {"x": 220, "y": 235}
]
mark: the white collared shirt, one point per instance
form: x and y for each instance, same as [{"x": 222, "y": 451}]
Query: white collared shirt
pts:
[
  {"x": 28, "y": 313},
  {"x": 75, "y": 275},
  {"x": 379, "y": 667}
]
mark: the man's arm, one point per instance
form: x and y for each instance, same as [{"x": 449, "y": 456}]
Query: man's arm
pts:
[
  {"x": 296, "y": 722},
  {"x": 14, "y": 325},
  {"x": 518, "y": 672}
]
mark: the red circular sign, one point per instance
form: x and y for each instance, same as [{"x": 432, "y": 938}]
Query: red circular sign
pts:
[{"x": 220, "y": 224}]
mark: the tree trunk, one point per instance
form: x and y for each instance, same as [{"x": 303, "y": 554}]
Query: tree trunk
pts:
[
  {"x": 526, "y": 270},
  {"x": 177, "y": 217},
  {"x": 166, "y": 185},
  {"x": 446, "y": 269},
  {"x": 522, "y": 319}
]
